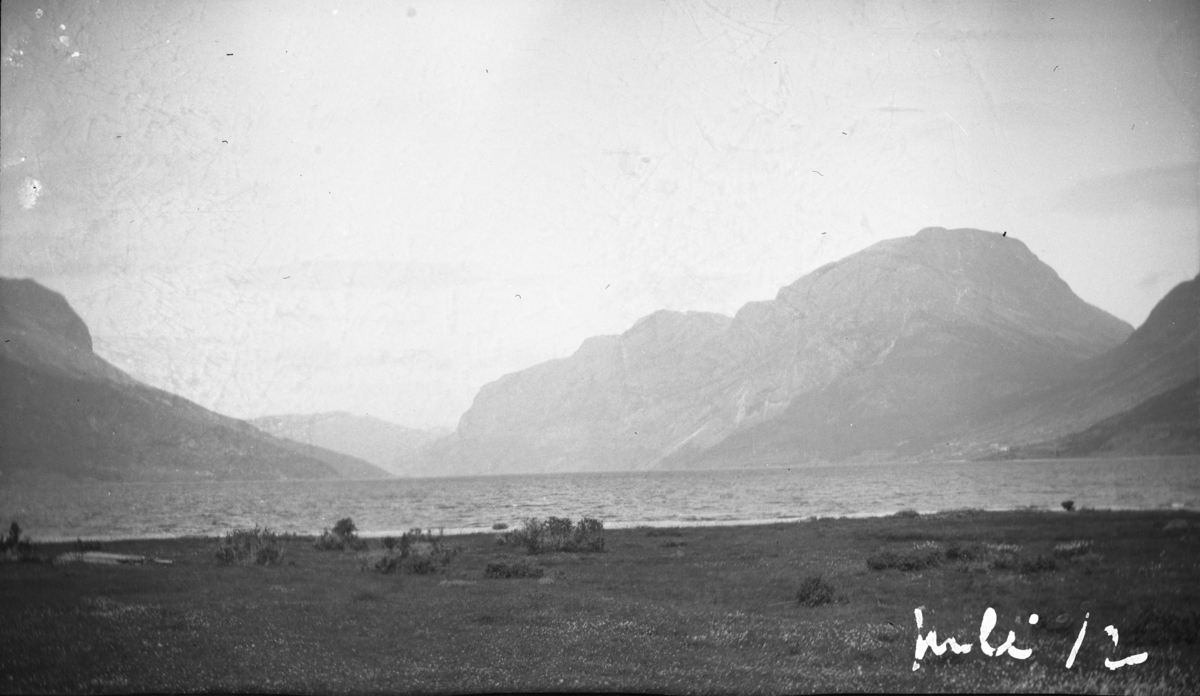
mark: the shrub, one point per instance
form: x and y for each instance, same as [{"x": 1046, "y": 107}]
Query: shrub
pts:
[
  {"x": 907, "y": 513},
  {"x": 82, "y": 546},
  {"x": 499, "y": 526},
  {"x": 558, "y": 526},
  {"x": 423, "y": 565},
  {"x": 520, "y": 569},
  {"x": 814, "y": 591},
  {"x": 1068, "y": 505},
  {"x": 345, "y": 527},
  {"x": 558, "y": 534},
  {"x": 328, "y": 541},
  {"x": 528, "y": 535},
  {"x": 1002, "y": 556},
  {"x": 387, "y": 561},
  {"x": 260, "y": 546},
  {"x": 415, "y": 552},
  {"x": 15, "y": 548},
  {"x": 343, "y": 535},
  {"x": 587, "y": 537}
]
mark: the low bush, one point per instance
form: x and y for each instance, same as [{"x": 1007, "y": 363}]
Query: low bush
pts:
[
  {"x": 499, "y": 526},
  {"x": 259, "y": 546},
  {"x": 814, "y": 591},
  {"x": 1068, "y": 505},
  {"x": 1002, "y": 556},
  {"x": 82, "y": 546},
  {"x": 14, "y": 547},
  {"x": 909, "y": 512},
  {"x": 416, "y": 552},
  {"x": 520, "y": 569},
  {"x": 344, "y": 535},
  {"x": 976, "y": 557},
  {"x": 558, "y": 534}
]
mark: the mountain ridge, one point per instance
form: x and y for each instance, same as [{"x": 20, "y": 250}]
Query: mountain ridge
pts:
[
  {"x": 65, "y": 410},
  {"x": 675, "y": 385},
  {"x": 392, "y": 447}
]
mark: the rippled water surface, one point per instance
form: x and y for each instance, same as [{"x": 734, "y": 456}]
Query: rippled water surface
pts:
[{"x": 108, "y": 510}]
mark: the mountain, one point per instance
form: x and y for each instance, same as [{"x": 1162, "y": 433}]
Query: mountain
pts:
[
  {"x": 1163, "y": 425},
  {"x": 875, "y": 356},
  {"x": 66, "y": 411},
  {"x": 1139, "y": 378},
  {"x": 388, "y": 446}
]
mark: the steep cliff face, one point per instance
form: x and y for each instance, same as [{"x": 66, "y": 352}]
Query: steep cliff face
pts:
[
  {"x": 65, "y": 411},
  {"x": 901, "y": 337},
  {"x": 616, "y": 403}
]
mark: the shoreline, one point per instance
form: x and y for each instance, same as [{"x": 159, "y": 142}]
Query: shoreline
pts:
[{"x": 617, "y": 526}]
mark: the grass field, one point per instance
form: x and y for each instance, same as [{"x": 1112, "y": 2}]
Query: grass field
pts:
[{"x": 662, "y": 611}]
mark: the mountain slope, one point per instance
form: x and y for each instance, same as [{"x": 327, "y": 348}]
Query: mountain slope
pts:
[
  {"x": 388, "y": 446},
  {"x": 1161, "y": 355},
  {"x": 64, "y": 410},
  {"x": 1163, "y": 425},
  {"x": 919, "y": 328},
  {"x": 602, "y": 408}
]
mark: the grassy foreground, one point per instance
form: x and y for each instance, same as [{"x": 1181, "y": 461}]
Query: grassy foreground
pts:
[{"x": 674, "y": 611}]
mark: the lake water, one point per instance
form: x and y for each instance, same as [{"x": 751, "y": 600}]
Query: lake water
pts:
[{"x": 138, "y": 510}]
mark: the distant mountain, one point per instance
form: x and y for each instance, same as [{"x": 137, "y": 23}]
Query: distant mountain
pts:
[
  {"x": 66, "y": 411},
  {"x": 388, "y": 446},
  {"x": 1167, "y": 424},
  {"x": 1140, "y": 378},
  {"x": 878, "y": 355}
]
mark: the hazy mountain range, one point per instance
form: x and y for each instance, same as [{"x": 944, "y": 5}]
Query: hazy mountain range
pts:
[
  {"x": 942, "y": 344},
  {"x": 945, "y": 344},
  {"x": 388, "y": 446}
]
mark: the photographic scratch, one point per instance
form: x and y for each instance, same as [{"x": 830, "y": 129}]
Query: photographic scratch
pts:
[{"x": 964, "y": 130}]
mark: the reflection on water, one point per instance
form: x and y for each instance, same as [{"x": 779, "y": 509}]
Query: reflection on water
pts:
[{"x": 107, "y": 510}]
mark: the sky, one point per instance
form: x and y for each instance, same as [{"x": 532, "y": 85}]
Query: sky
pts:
[{"x": 377, "y": 207}]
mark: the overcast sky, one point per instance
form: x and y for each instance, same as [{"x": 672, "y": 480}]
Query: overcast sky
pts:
[{"x": 378, "y": 207}]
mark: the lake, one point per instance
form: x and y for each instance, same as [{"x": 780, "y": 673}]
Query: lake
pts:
[{"x": 142, "y": 510}]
